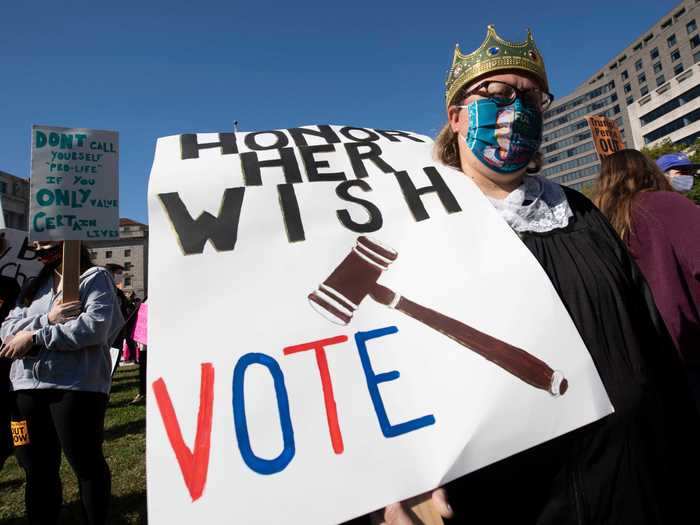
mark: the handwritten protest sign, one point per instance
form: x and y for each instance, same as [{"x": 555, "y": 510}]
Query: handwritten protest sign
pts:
[
  {"x": 607, "y": 138},
  {"x": 339, "y": 322},
  {"x": 140, "y": 332},
  {"x": 17, "y": 260},
  {"x": 74, "y": 184}
]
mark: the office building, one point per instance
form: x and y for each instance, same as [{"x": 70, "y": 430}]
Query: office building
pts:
[
  {"x": 14, "y": 192},
  {"x": 129, "y": 251},
  {"x": 640, "y": 79}
]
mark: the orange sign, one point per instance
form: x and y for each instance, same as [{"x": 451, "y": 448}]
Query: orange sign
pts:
[
  {"x": 20, "y": 436},
  {"x": 606, "y": 135}
]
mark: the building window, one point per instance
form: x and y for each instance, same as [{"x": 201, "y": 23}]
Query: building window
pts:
[
  {"x": 625, "y": 75},
  {"x": 673, "y": 104},
  {"x": 126, "y": 228},
  {"x": 666, "y": 24},
  {"x": 128, "y": 266},
  {"x": 657, "y": 67},
  {"x": 671, "y": 41},
  {"x": 642, "y": 78},
  {"x": 638, "y": 65},
  {"x": 691, "y": 26},
  {"x": 127, "y": 253},
  {"x": 654, "y": 53},
  {"x": 660, "y": 80},
  {"x": 643, "y": 90},
  {"x": 637, "y": 47},
  {"x": 629, "y": 100},
  {"x": 678, "y": 69},
  {"x": 627, "y": 88},
  {"x": 695, "y": 42},
  {"x": 696, "y": 57},
  {"x": 675, "y": 55},
  {"x": 127, "y": 281},
  {"x": 3, "y": 187},
  {"x": 108, "y": 254},
  {"x": 672, "y": 126}
]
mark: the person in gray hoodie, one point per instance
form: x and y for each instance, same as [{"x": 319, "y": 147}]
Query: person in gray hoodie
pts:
[{"x": 61, "y": 378}]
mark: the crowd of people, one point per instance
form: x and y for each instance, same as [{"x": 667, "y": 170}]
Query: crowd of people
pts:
[{"x": 626, "y": 268}]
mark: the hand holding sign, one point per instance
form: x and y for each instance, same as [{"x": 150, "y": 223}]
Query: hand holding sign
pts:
[{"x": 63, "y": 312}]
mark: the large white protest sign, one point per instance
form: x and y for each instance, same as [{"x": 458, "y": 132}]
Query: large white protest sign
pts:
[
  {"x": 17, "y": 259},
  {"x": 324, "y": 352},
  {"x": 74, "y": 184}
]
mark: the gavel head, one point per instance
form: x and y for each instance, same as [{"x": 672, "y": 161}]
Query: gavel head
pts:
[{"x": 341, "y": 294}]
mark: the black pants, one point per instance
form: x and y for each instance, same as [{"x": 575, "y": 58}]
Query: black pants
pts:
[
  {"x": 5, "y": 411},
  {"x": 46, "y": 421},
  {"x": 143, "y": 358}
]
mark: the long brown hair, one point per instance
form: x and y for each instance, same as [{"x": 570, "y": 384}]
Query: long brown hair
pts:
[{"x": 623, "y": 176}]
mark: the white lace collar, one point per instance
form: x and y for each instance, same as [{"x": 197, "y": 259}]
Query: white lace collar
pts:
[{"x": 537, "y": 205}]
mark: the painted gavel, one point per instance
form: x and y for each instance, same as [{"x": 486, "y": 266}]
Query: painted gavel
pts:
[{"x": 356, "y": 277}]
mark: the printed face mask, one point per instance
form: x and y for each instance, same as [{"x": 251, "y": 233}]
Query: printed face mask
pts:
[
  {"x": 48, "y": 254},
  {"x": 682, "y": 182},
  {"x": 504, "y": 138}
]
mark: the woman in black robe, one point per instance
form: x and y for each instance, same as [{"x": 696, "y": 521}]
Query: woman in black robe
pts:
[{"x": 637, "y": 465}]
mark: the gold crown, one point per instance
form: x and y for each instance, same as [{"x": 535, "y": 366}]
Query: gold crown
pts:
[{"x": 494, "y": 54}]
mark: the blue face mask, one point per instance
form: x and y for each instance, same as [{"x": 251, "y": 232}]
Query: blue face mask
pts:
[{"x": 519, "y": 128}]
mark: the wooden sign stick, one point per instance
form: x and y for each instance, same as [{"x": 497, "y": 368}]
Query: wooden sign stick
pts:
[
  {"x": 420, "y": 509},
  {"x": 423, "y": 508},
  {"x": 71, "y": 271}
]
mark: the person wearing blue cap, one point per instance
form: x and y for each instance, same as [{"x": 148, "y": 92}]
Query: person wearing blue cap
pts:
[{"x": 679, "y": 170}]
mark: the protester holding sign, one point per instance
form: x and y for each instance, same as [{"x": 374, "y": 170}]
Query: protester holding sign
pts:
[
  {"x": 628, "y": 467},
  {"x": 661, "y": 228},
  {"x": 61, "y": 377}
]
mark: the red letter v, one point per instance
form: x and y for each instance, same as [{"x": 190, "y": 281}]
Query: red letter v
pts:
[{"x": 194, "y": 466}]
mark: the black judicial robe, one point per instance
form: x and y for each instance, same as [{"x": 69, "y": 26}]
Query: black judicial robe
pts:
[{"x": 637, "y": 466}]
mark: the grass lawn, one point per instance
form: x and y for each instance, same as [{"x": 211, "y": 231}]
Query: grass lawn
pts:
[{"x": 125, "y": 449}]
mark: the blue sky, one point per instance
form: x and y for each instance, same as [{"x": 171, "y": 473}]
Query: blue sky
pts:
[{"x": 156, "y": 68}]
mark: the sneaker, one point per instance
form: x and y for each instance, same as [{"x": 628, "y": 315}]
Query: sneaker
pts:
[{"x": 140, "y": 398}]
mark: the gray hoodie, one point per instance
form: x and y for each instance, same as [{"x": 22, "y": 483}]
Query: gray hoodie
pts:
[{"x": 73, "y": 355}]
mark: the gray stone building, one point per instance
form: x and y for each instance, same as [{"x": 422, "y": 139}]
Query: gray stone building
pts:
[
  {"x": 623, "y": 90},
  {"x": 14, "y": 192},
  {"x": 129, "y": 251}
]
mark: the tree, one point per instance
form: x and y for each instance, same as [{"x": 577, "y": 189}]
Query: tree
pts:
[
  {"x": 693, "y": 152},
  {"x": 588, "y": 189}
]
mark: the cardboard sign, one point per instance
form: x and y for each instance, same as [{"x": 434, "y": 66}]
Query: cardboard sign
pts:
[
  {"x": 140, "y": 332},
  {"x": 74, "y": 184},
  {"x": 17, "y": 260},
  {"x": 339, "y": 322},
  {"x": 607, "y": 138}
]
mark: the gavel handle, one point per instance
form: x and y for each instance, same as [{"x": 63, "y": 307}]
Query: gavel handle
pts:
[{"x": 518, "y": 362}]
